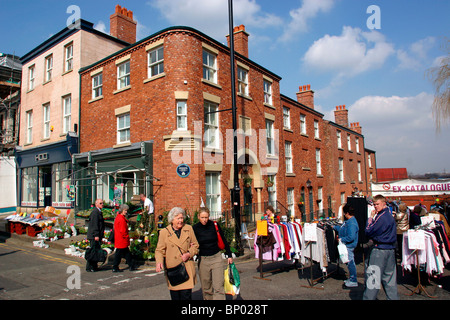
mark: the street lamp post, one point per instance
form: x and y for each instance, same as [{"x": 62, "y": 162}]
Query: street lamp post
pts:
[{"x": 236, "y": 189}]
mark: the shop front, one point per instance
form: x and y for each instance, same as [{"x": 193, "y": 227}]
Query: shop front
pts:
[
  {"x": 44, "y": 175},
  {"x": 114, "y": 174}
]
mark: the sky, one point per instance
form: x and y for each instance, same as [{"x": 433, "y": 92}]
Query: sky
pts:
[{"x": 370, "y": 55}]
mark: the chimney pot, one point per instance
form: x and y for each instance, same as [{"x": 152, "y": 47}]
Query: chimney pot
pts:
[{"x": 122, "y": 25}]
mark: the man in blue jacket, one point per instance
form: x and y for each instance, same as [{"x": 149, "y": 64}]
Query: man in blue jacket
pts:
[
  {"x": 381, "y": 265},
  {"x": 348, "y": 234}
]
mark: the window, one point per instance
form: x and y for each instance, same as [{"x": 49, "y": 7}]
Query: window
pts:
[
  {"x": 357, "y": 144},
  {"x": 97, "y": 85},
  {"x": 209, "y": 66},
  {"x": 123, "y": 75},
  {"x": 286, "y": 118},
  {"x": 349, "y": 143},
  {"x": 29, "y": 126},
  {"x": 341, "y": 170},
  {"x": 270, "y": 137},
  {"x": 211, "y": 125},
  {"x": 48, "y": 68},
  {"x": 181, "y": 115},
  {"x": 316, "y": 129},
  {"x": 320, "y": 202},
  {"x": 46, "y": 117},
  {"x": 359, "y": 171},
  {"x": 31, "y": 76},
  {"x": 242, "y": 81},
  {"x": 123, "y": 128},
  {"x": 213, "y": 198},
  {"x": 272, "y": 190},
  {"x": 68, "y": 57},
  {"x": 369, "y": 160},
  {"x": 156, "y": 61},
  {"x": 267, "y": 92},
  {"x": 67, "y": 111},
  {"x": 29, "y": 186},
  {"x": 339, "y": 140},
  {"x": 288, "y": 156},
  {"x": 61, "y": 179},
  {"x": 303, "y": 124},
  {"x": 318, "y": 165},
  {"x": 290, "y": 201}
]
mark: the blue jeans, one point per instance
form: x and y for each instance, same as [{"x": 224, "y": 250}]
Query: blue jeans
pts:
[{"x": 351, "y": 265}]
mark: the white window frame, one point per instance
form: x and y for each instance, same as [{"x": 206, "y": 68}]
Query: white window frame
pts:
[
  {"x": 341, "y": 169},
  {"x": 211, "y": 135},
  {"x": 48, "y": 68},
  {"x": 290, "y": 200},
  {"x": 155, "y": 61},
  {"x": 209, "y": 66},
  {"x": 29, "y": 118},
  {"x": 359, "y": 171},
  {"x": 349, "y": 142},
  {"x": 286, "y": 118},
  {"x": 316, "y": 129},
  {"x": 288, "y": 156},
  {"x": 181, "y": 115},
  {"x": 369, "y": 160},
  {"x": 123, "y": 74},
  {"x": 97, "y": 85},
  {"x": 318, "y": 163},
  {"x": 46, "y": 120},
  {"x": 213, "y": 194},
  {"x": 31, "y": 77},
  {"x": 357, "y": 144},
  {"x": 272, "y": 191},
  {"x": 302, "y": 124},
  {"x": 320, "y": 197},
  {"x": 242, "y": 81},
  {"x": 339, "y": 139},
  {"x": 268, "y": 92},
  {"x": 270, "y": 137},
  {"x": 123, "y": 128},
  {"x": 68, "y": 57},
  {"x": 67, "y": 113}
]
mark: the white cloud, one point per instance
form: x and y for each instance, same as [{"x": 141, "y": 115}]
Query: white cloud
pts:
[
  {"x": 211, "y": 16},
  {"x": 416, "y": 56},
  {"x": 351, "y": 53},
  {"x": 301, "y": 16},
  {"x": 101, "y": 26},
  {"x": 402, "y": 132}
]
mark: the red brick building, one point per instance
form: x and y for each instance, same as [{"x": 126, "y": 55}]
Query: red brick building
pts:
[{"x": 162, "y": 125}]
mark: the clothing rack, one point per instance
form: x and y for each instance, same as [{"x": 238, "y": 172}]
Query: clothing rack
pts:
[{"x": 419, "y": 288}]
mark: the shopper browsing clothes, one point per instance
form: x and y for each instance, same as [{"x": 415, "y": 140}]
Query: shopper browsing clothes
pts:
[
  {"x": 381, "y": 267},
  {"x": 348, "y": 235},
  {"x": 122, "y": 240},
  {"x": 177, "y": 245},
  {"x": 211, "y": 266},
  {"x": 96, "y": 230}
]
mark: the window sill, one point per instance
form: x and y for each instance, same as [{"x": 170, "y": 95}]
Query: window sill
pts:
[
  {"x": 269, "y": 106},
  {"x": 161, "y": 75},
  {"x": 213, "y": 84},
  {"x": 96, "y": 99},
  {"x": 66, "y": 72},
  {"x": 123, "y": 144},
  {"x": 245, "y": 96},
  {"x": 122, "y": 89}
]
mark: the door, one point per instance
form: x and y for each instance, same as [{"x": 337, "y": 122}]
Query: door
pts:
[{"x": 45, "y": 186}]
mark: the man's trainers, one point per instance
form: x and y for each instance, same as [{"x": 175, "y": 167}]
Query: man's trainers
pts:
[{"x": 350, "y": 284}]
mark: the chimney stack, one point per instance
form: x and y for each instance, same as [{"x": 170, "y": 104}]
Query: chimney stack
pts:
[
  {"x": 356, "y": 127},
  {"x": 240, "y": 40},
  {"x": 305, "y": 96},
  {"x": 341, "y": 116},
  {"x": 122, "y": 25}
]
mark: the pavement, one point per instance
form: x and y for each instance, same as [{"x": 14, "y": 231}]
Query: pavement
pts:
[{"x": 285, "y": 280}]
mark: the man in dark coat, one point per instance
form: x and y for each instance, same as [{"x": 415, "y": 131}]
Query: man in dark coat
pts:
[{"x": 96, "y": 229}]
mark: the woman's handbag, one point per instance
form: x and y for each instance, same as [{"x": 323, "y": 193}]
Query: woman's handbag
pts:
[
  {"x": 177, "y": 275},
  {"x": 96, "y": 253},
  {"x": 220, "y": 242}
]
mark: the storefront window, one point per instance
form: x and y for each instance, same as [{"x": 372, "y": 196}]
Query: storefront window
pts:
[
  {"x": 61, "y": 184},
  {"x": 29, "y": 186}
]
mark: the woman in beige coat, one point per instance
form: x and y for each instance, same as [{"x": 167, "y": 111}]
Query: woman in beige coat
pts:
[
  {"x": 402, "y": 220},
  {"x": 176, "y": 243}
]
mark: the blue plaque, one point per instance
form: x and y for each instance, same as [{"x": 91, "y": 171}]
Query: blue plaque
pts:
[{"x": 183, "y": 170}]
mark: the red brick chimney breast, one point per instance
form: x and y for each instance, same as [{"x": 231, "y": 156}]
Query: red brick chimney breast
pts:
[{"x": 122, "y": 25}]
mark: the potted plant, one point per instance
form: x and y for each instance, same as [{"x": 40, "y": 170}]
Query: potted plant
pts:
[
  {"x": 269, "y": 181},
  {"x": 247, "y": 181},
  {"x": 301, "y": 202}
]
